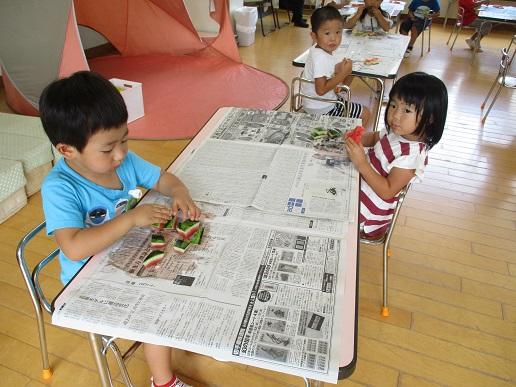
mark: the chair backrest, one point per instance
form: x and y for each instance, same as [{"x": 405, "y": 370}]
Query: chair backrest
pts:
[
  {"x": 504, "y": 65},
  {"x": 512, "y": 47},
  {"x": 31, "y": 278},
  {"x": 297, "y": 95},
  {"x": 460, "y": 17},
  {"x": 40, "y": 302},
  {"x": 386, "y": 237}
]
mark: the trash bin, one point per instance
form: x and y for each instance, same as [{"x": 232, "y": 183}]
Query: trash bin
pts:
[{"x": 246, "y": 18}]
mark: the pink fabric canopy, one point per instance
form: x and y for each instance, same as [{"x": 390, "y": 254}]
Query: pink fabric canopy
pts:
[{"x": 185, "y": 78}]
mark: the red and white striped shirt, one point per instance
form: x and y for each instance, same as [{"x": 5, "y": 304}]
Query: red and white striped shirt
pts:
[{"x": 391, "y": 151}]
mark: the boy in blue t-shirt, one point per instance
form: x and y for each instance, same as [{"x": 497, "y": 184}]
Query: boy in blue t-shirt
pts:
[
  {"x": 420, "y": 15},
  {"x": 87, "y": 194}
]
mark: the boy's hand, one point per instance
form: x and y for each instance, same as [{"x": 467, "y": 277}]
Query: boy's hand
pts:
[
  {"x": 183, "y": 201},
  {"x": 344, "y": 68},
  {"x": 355, "y": 152},
  {"x": 147, "y": 214}
]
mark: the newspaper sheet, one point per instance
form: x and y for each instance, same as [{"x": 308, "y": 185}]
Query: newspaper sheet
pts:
[
  {"x": 262, "y": 295},
  {"x": 278, "y": 179},
  {"x": 262, "y": 287}
]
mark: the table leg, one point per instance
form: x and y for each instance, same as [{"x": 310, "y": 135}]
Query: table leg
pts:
[
  {"x": 313, "y": 383},
  {"x": 100, "y": 359}
]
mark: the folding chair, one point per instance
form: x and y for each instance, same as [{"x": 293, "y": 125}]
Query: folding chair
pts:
[
  {"x": 502, "y": 78},
  {"x": 261, "y": 12},
  {"x": 40, "y": 302},
  {"x": 457, "y": 27},
  {"x": 385, "y": 239},
  {"x": 297, "y": 96},
  {"x": 450, "y": 3}
]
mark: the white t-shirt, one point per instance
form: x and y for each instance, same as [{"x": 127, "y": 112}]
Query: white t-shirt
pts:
[{"x": 318, "y": 64}]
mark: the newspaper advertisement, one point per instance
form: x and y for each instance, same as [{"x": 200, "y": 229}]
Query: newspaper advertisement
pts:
[{"x": 262, "y": 285}]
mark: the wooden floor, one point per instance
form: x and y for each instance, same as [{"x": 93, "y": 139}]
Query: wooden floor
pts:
[{"x": 452, "y": 275}]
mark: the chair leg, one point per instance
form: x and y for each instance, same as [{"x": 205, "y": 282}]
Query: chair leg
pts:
[
  {"x": 429, "y": 36},
  {"x": 489, "y": 94},
  {"x": 451, "y": 33},
  {"x": 456, "y": 36},
  {"x": 492, "y": 103},
  {"x": 386, "y": 254},
  {"x": 422, "y": 42},
  {"x": 120, "y": 361},
  {"x": 260, "y": 14},
  {"x": 46, "y": 372}
]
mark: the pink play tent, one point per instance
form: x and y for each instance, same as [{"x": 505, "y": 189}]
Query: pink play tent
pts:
[{"x": 185, "y": 78}]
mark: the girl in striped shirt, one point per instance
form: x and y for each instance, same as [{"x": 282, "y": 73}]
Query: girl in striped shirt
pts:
[{"x": 414, "y": 120}]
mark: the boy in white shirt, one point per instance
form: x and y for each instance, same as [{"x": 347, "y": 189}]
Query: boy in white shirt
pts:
[{"x": 325, "y": 70}]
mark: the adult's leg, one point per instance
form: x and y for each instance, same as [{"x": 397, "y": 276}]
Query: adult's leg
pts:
[{"x": 296, "y": 6}]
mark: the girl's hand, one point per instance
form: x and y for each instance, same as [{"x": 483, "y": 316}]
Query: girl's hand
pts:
[
  {"x": 147, "y": 214},
  {"x": 376, "y": 12},
  {"x": 355, "y": 152},
  {"x": 183, "y": 201}
]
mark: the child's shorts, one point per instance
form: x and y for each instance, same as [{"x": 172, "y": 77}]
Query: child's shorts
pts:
[
  {"x": 408, "y": 23},
  {"x": 355, "y": 109}
]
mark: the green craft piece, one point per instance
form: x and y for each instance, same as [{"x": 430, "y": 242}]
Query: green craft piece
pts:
[
  {"x": 187, "y": 224},
  {"x": 318, "y": 133},
  {"x": 153, "y": 258},
  {"x": 157, "y": 239},
  {"x": 181, "y": 245},
  {"x": 334, "y": 133},
  {"x": 196, "y": 238}
]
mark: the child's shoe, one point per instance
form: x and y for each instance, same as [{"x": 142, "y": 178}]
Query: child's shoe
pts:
[
  {"x": 408, "y": 52},
  {"x": 175, "y": 382},
  {"x": 470, "y": 44}
]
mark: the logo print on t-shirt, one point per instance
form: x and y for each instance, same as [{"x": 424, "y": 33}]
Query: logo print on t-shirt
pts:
[
  {"x": 121, "y": 206},
  {"x": 96, "y": 216}
]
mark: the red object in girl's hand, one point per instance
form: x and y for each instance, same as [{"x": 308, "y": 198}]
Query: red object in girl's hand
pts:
[{"x": 356, "y": 134}]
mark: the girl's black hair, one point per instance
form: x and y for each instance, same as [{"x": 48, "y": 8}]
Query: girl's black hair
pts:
[
  {"x": 429, "y": 96},
  {"x": 323, "y": 14},
  {"x": 73, "y": 109}
]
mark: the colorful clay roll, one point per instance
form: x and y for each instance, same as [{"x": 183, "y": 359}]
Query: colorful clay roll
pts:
[
  {"x": 188, "y": 228},
  {"x": 153, "y": 258},
  {"x": 181, "y": 245},
  {"x": 157, "y": 241}
]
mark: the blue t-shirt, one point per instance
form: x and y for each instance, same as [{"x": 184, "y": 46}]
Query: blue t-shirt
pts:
[
  {"x": 72, "y": 201},
  {"x": 421, "y": 8}
]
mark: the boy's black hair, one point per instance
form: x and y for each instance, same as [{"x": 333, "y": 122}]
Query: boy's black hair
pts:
[
  {"x": 323, "y": 14},
  {"x": 73, "y": 109},
  {"x": 430, "y": 97}
]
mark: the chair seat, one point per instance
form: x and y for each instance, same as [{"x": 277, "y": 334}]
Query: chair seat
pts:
[{"x": 373, "y": 240}]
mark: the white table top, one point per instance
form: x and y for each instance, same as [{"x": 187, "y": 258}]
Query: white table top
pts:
[
  {"x": 388, "y": 48},
  {"x": 506, "y": 14},
  {"x": 393, "y": 8}
]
